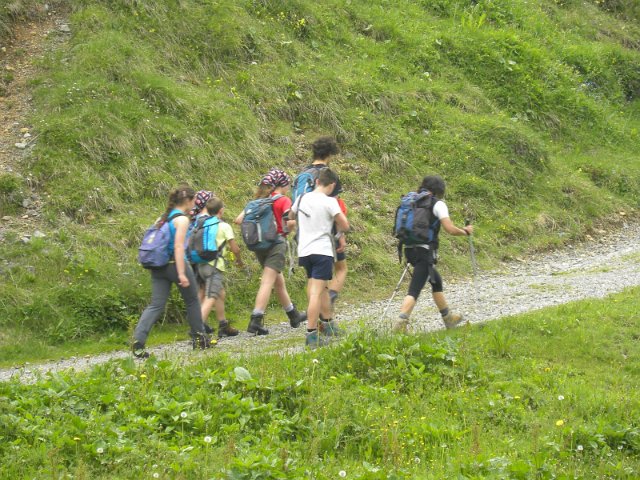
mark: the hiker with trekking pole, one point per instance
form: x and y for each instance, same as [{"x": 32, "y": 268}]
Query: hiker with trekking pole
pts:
[{"x": 417, "y": 226}]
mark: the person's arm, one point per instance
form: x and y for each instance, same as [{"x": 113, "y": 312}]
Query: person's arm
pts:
[
  {"x": 235, "y": 249},
  {"x": 341, "y": 222},
  {"x": 451, "y": 229},
  {"x": 239, "y": 218},
  {"x": 181, "y": 224}
]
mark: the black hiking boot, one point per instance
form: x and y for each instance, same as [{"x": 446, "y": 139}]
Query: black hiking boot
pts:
[
  {"x": 201, "y": 341},
  {"x": 208, "y": 329},
  {"x": 296, "y": 317},
  {"x": 138, "y": 350},
  {"x": 256, "y": 325}
]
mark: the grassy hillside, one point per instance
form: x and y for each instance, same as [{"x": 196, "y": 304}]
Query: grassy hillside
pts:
[
  {"x": 530, "y": 397},
  {"x": 529, "y": 109}
]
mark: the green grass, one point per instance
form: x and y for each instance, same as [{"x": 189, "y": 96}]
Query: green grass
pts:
[
  {"x": 532, "y": 396},
  {"x": 528, "y": 110}
]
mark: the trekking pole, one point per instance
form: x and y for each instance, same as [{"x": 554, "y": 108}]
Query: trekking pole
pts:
[
  {"x": 474, "y": 265},
  {"x": 404, "y": 273}
]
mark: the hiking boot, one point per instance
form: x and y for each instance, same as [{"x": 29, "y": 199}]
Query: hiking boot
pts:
[
  {"x": 452, "y": 320},
  {"x": 401, "y": 326},
  {"x": 315, "y": 340},
  {"x": 208, "y": 329},
  {"x": 202, "y": 341},
  {"x": 256, "y": 325},
  {"x": 330, "y": 329},
  {"x": 226, "y": 330},
  {"x": 138, "y": 350},
  {"x": 296, "y": 317}
]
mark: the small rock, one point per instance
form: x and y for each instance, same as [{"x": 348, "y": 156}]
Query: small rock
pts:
[
  {"x": 64, "y": 28},
  {"x": 24, "y": 130},
  {"x": 6, "y": 218},
  {"x": 26, "y": 135},
  {"x": 25, "y": 239},
  {"x": 39, "y": 234},
  {"x": 21, "y": 145},
  {"x": 26, "y": 203}
]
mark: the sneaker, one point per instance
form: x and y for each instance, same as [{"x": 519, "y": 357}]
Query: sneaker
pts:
[
  {"x": 138, "y": 350},
  {"x": 226, "y": 330},
  {"x": 202, "y": 341},
  {"x": 330, "y": 329},
  {"x": 315, "y": 340},
  {"x": 401, "y": 326},
  {"x": 452, "y": 320}
]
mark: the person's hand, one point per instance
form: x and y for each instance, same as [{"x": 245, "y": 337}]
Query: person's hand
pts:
[
  {"x": 183, "y": 281},
  {"x": 342, "y": 244},
  {"x": 468, "y": 229}
]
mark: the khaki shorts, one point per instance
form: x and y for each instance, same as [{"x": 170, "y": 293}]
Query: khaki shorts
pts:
[
  {"x": 211, "y": 279},
  {"x": 273, "y": 258}
]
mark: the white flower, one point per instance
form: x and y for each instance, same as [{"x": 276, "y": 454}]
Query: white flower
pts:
[
  {"x": 560, "y": 397},
  {"x": 183, "y": 414},
  {"x": 207, "y": 439},
  {"x": 579, "y": 448},
  {"x": 416, "y": 460},
  {"x": 316, "y": 361},
  {"x": 342, "y": 473},
  {"x": 99, "y": 450},
  {"x": 122, "y": 388},
  {"x": 154, "y": 466},
  {"x": 156, "y": 475}
]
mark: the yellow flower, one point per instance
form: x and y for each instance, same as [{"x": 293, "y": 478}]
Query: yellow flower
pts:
[
  {"x": 559, "y": 423},
  {"x": 143, "y": 376}
]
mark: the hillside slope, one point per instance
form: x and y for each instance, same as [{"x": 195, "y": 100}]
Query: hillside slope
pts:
[{"x": 529, "y": 109}]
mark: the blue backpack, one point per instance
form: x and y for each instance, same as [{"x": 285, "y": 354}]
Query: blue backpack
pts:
[
  {"x": 202, "y": 246},
  {"x": 305, "y": 182},
  {"x": 259, "y": 229},
  {"x": 155, "y": 251},
  {"x": 415, "y": 223}
]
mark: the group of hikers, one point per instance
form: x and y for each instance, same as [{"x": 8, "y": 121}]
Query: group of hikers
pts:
[{"x": 316, "y": 216}]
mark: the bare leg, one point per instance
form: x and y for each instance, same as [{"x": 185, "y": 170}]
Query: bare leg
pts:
[
  {"x": 267, "y": 282},
  {"x": 281, "y": 291},
  {"x": 315, "y": 291}
]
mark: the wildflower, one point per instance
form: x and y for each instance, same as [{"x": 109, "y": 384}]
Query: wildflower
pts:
[
  {"x": 580, "y": 448},
  {"x": 315, "y": 361},
  {"x": 342, "y": 473},
  {"x": 560, "y": 397},
  {"x": 143, "y": 376},
  {"x": 517, "y": 397},
  {"x": 99, "y": 450},
  {"x": 416, "y": 460},
  {"x": 547, "y": 369},
  {"x": 559, "y": 423},
  {"x": 76, "y": 439},
  {"x": 183, "y": 415},
  {"x": 122, "y": 388},
  {"x": 156, "y": 475},
  {"x": 207, "y": 439}
]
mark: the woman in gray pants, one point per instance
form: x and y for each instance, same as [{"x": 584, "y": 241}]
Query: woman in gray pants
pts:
[{"x": 177, "y": 271}]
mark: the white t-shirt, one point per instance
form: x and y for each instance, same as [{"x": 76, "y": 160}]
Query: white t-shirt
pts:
[{"x": 315, "y": 213}]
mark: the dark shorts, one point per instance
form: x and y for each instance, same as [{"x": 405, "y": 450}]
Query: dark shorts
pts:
[
  {"x": 273, "y": 258},
  {"x": 319, "y": 267},
  {"x": 340, "y": 256}
]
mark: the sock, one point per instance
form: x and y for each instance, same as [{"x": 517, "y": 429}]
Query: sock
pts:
[
  {"x": 311, "y": 330},
  {"x": 444, "y": 312},
  {"x": 289, "y": 308},
  {"x": 257, "y": 312},
  {"x": 404, "y": 316},
  {"x": 328, "y": 320}
]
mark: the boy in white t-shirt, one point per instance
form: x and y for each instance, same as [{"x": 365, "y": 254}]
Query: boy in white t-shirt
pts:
[{"x": 316, "y": 213}]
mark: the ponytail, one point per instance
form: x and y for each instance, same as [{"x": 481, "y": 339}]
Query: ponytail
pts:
[
  {"x": 177, "y": 197},
  {"x": 263, "y": 191}
]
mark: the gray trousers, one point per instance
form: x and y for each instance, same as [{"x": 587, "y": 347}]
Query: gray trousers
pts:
[{"x": 161, "y": 280}]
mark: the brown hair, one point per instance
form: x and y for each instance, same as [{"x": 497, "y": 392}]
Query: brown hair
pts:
[
  {"x": 263, "y": 191},
  {"x": 214, "y": 205},
  {"x": 177, "y": 197}
]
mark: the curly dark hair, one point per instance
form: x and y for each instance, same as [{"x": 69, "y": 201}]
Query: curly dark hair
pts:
[
  {"x": 324, "y": 147},
  {"x": 433, "y": 183}
]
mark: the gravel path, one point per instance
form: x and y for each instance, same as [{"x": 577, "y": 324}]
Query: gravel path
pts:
[{"x": 590, "y": 270}]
